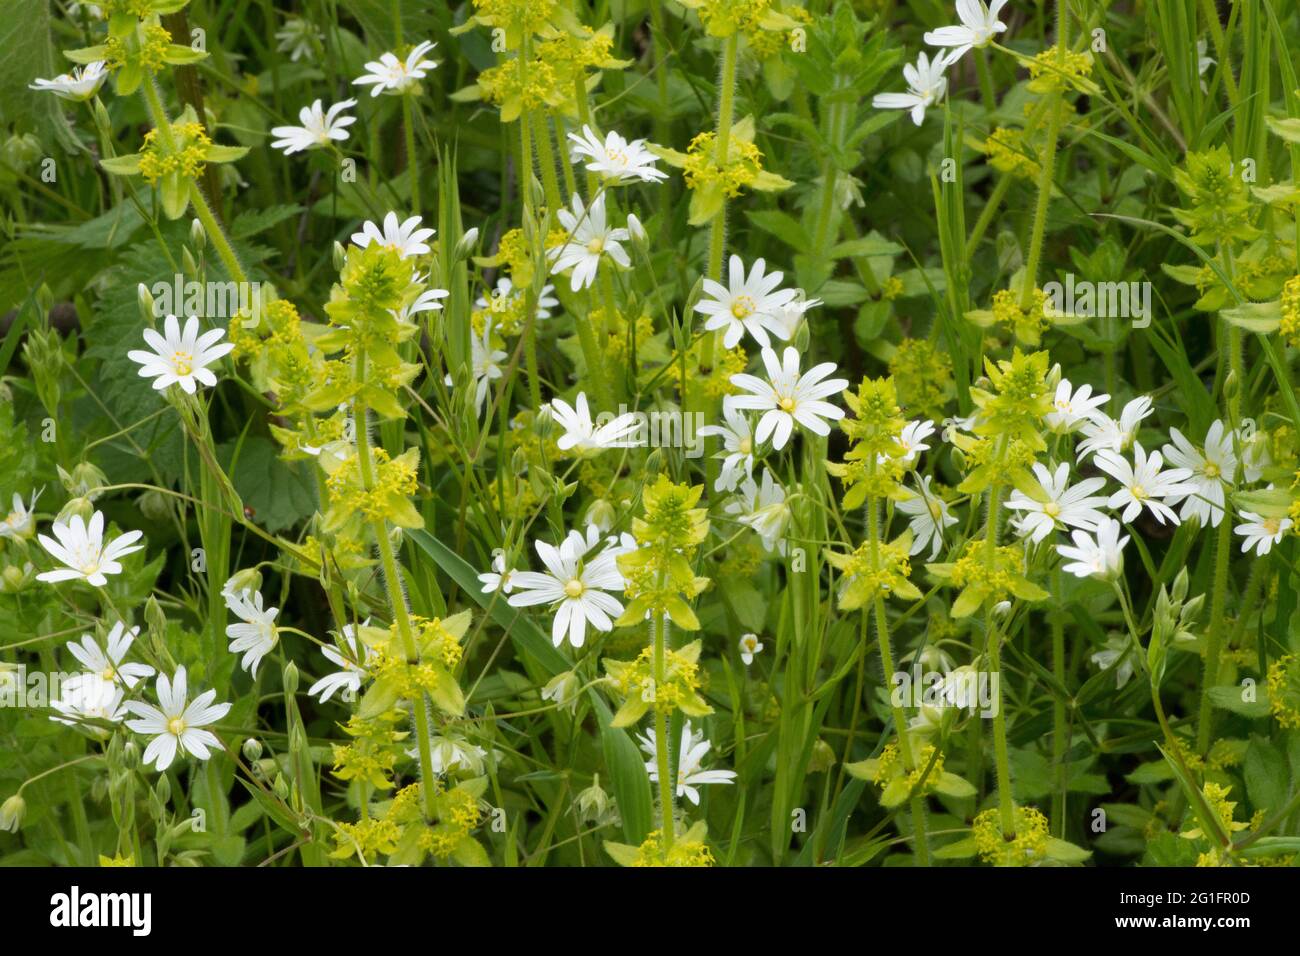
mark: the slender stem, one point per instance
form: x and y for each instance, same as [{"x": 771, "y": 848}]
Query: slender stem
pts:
[
  {"x": 546, "y": 159},
  {"x": 216, "y": 234},
  {"x": 412, "y": 166},
  {"x": 396, "y": 596},
  {"x": 667, "y": 826}
]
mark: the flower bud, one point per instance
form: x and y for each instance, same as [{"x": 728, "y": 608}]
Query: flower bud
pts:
[
  {"x": 290, "y": 678},
  {"x": 15, "y": 578},
  {"x": 248, "y": 579},
  {"x": 131, "y": 755},
  {"x": 84, "y": 481},
  {"x": 593, "y": 803},
  {"x": 602, "y": 515},
  {"x": 340, "y": 256},
  {"x": 102, "y": 121},
  {"x": 21, "y": 151},
  {"x": 188, "y": 265},
  {"x": 563, "y": 690},
  {"x": 75, "y": 506},
  {"x": 636, "y": 229},
  {"x": 12, "y": 812},
  {"x": 154, "y": 505},
  {"x": 252, "y": 749},
  {"x": 465, "y": 248},
  {"x": 280, "y": 787},
  {"x": 163, "y": 789},
  {"x": 198, "y": 236},
  {"x": 144, "y": 298}
]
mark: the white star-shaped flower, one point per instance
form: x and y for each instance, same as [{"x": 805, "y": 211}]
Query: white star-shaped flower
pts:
[
  {"x": 1073, "y": 507},
  {"x": 748, "y": 303},
  {"x": 81, "y": 547},
  {"x": 79, "y": 85},
  {"x": 255, "y": 636},
  {"x": 615, "y": 158},
  {"x": 1095, "y": 555},
  {"x": 1143, "y": 484},
  {"x": 388, "y": 74},
  {"x": 929, "y": 516},
  {"x": 107, "y": 662},
  {"x": 1210, "y": 470},
  {"x": 979, "y": 25},
  {"x": 180, "y": 357},
  {"x": 405, "y": 236},
  {"x": 574, "y": 586},
  {"x": 926, "y": 86},
  {"x": 176, "y": 726},
  {"x": 582, "y": 433},
  {"x": 590, "y": 239},
  {"x": 788, "y": 398},
  {"x": 319, "y": 128}
]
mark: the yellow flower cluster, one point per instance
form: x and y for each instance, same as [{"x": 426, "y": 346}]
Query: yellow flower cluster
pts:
[
  {"x": 683, "y": 853},
  {"x": 151, "y": 54},
  {"x": 188, "y": 157},
  {"x": 866, "y": 574},
  {"x": 1028, "y": 846},
  {"x": 701, "y": 167},
  {"x": 922, "y": 377},
  {"x": 374, "y": 749},
  {"x": 1291, "y": 311},
  {"x": 1029, "y": 324},
  {"x": 1007, "y": 153},
  {"x": 1054, "y": 70},
  {"x": 712, "y": 381},
  {"x": 1284, "y": 691},
  {"x": 890, "y": 766}
]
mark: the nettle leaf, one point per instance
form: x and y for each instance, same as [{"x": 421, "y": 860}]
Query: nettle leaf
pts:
[{"x": 280, "y": 493}]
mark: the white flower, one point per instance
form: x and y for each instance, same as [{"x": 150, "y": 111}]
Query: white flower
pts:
[
  {"x": 590, "y": 238},
  {"x": 1209, "y": 471},
  {"x": 929, "y": 516},
  {"x": 615, "y": 158},
  {"x": 747, "y": 303},
  {"x": 979, "y": 25},
  {"x": 318, "y": 128},
  {"x": 1118, "y": 648},
  {"x": 1073, "y": 408},
  {"x": 1095, "y": 556},
  {"x": 81, "y": 84},
  {"x": 499, "y": 578},
  {"x": 82, "y": 548},
  {"x": 255, "y": 636},
  {"x": 451, "y": 752},
  {"x": 88, "y": 697},
  {"x": 1255, "y": 454},
  {"x": 486, "y": 363},
  {"x": 406, "y": 237},
  {"x": 107, "y": 662},
  {"x": 353, "y": 667},
  {"x": 563, "y": 690},
  {"x": 1203, "y": 61},
  {"x": 926, "y": 85},
  {"x": 21, "y": 521},
  {"x": 574, "y": 586},
  {"x": 763, "y": 509},
  {"x": 427, "y": 301},
  {"x": 911, "y": 441},
  {"x": 1261, "y": 533},
  {"x": 180, "y": 357},
  {"x": 738, "y": 448},
  {"x": 749, "y": 646},
  {"x": 689, "y": 775},
  {"x": 1074, "y": 507},
  {"x": 297, "y": 37},
  {"x": 388, "y": 74},
  {"x": 788, "y": 397},
  {"x": 790, "y": 315},
  {"x": 953, "y": 426},
  {"x": 505, "y": 295},
  {"x": 1103, "y": 433},
  {"x": 583, "y": 434},
  {"x": 1143, "y": 484},
  {"x": 176, "y": 726}
]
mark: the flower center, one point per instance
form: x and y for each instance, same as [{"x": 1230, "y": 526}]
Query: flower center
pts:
[
  {"x": 742, "y": 306},
  {"x": 176, "y": 726},
  {"x": 109, "y": 674},
  {"x": 1138, "y": 492},
  {"x": 746, "y": 446},
  {"x": 596, "y": 246},
  {"x": 786, "y": 403},
  {"x": 1211, "y": 470},
  {"x": 1272, "y": 524},
  {"x": 1051, "y": 509},
  {"x": 183, "y": 362},
  {"x": 574, "y": 588}
]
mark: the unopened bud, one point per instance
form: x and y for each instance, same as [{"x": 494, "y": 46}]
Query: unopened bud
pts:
[
  {"x": 291, "y": 678},
  {"x": 145, "y": 299},
  {"x": 468, "y": 242},
  {"x": 252, "y": 749},
  {"x": 198, "y": 235},
  {"x": 12, "y": 812}
]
